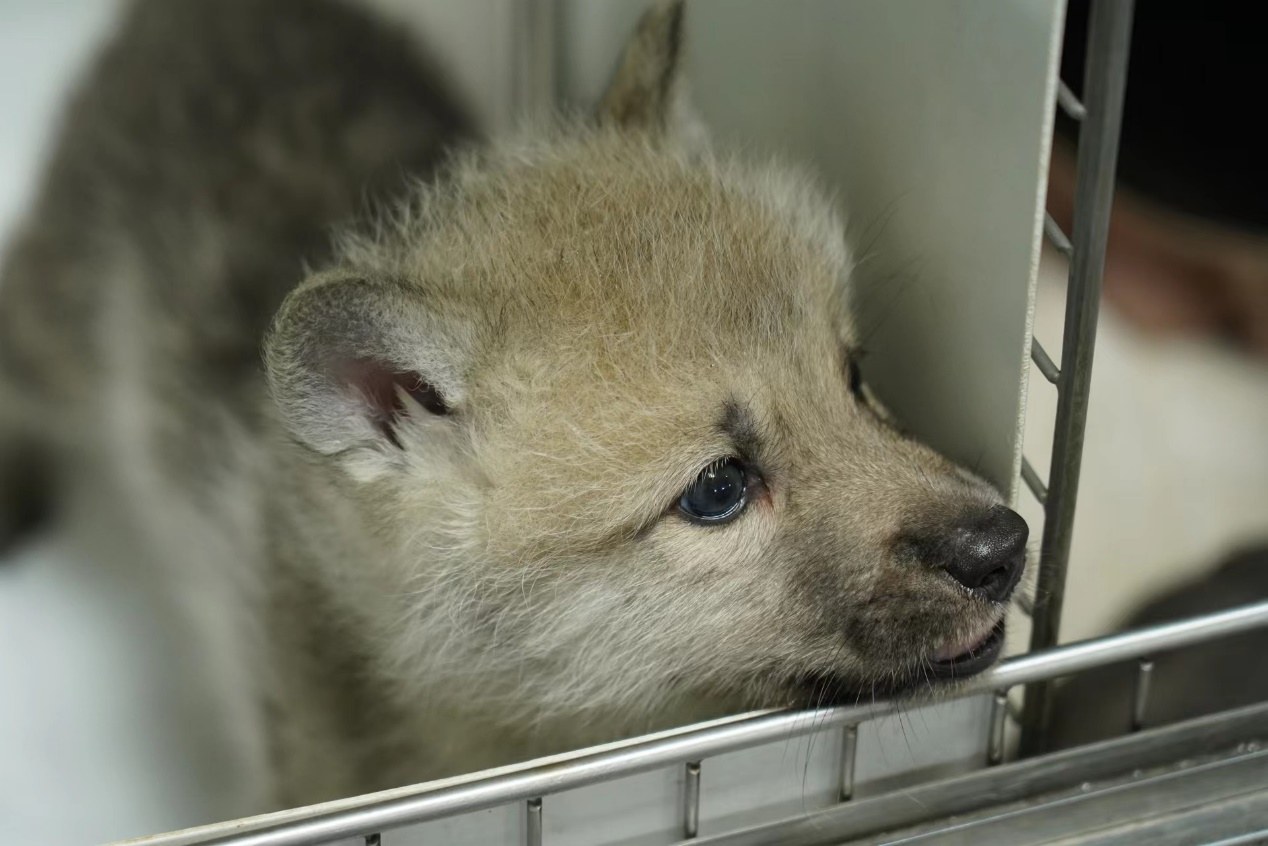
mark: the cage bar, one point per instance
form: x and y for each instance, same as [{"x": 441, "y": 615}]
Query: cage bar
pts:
[
  {"x": 1140, "y": 696},
  {"x": 1059, "y": 240},
  {"x": 533, "y": 822},
  {"x": 1069, "y": 103},
  {"x": 1031, "y": 478},
  {"x": 1044, "y": 362},
  {"x": 691, "y": 801},
  {"x": 849, "y": 754},
  {"x": 999, "y": 720},
  {"x": 1105, "y": 78}
]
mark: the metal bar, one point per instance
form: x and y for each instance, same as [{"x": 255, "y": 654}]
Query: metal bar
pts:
[
  {"x": 691, "y": 801},
  {"x": 999, "y": 718},
  {"x": 1138, "y": 805},
  {"x": 1250, "y": 838},
  {"x": 1221, "y": 823},
  {"x": 1056, "y": 236},
  {"x": 1140, "y": 696},
  {"x": 1215, "y": 738},
  {"x": 1109, "y": 36},
  {"x": 1031, "y": 478},
  {"x": 676, "y": 748},
  {"x": 533, "y": 822},
  {"x": 1044, "y": 362},
  {"x": 1069, "y": 103},
  {"x": 849, "y": 754}
]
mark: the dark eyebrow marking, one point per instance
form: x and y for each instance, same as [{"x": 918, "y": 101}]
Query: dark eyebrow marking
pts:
[{"x": 738, "y": 425}]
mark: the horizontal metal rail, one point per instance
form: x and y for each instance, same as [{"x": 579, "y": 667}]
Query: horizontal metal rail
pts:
[
  {"x": 678, "y": 749},
  {"x": 1134, "y": 760}
]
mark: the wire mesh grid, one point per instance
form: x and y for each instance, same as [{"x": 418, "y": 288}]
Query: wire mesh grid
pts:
[{"x": 1213, "y": 753}]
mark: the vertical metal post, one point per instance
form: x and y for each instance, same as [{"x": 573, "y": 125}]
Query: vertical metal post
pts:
[
  {"x": 849, "y": 753},
  {"x": 1140, "y": 696},
  {"x": 1105, "y": 78},
  {"x": 999, "y": 721},
  {"x": 533, "y": 819},
  {"x": 691, "y": 802}
]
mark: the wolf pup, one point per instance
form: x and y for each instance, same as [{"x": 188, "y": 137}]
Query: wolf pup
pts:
[{"x": 566, "y": 441}]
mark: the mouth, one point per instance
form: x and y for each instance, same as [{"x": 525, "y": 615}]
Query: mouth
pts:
[
  {"x": 961, "y": 659},
  {"x": 956, "y": 661}
]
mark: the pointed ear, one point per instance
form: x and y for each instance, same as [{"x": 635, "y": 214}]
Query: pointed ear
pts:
[
  {"x": 649, "y": 91},
  {"x": 353, "y": 361}
]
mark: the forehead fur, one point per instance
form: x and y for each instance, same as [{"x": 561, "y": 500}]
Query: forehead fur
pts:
[{"x": 596, "y": 236}]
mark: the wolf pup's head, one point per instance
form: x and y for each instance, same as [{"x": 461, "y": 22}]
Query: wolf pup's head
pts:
[{"x": 591, "y": 410}]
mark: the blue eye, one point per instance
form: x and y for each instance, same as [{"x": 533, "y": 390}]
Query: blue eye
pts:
[{"x": 718, "y": 494}]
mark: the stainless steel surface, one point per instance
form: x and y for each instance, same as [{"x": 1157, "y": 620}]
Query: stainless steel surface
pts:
[
  {"x": 533, "y": 822},
  {"x": 691, "y": 801},
  {"x": 849, "y": 756},
  {"x": 1109, "y": 36},
  {"x": 1031, "y": 782},
  {"x": 1237, "y": 821},
  {"x": 1076, "y": 657},
  {"x": 750, "y": 730},
  {"x": 1137, "y": 807},
  {"x": 1254, "y": 838},
  {"x": 999, "y": 721},
  {"x": 1140, "y": 696}
]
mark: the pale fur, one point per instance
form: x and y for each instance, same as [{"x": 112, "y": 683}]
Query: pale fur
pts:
[{"x": 602, "y": 307}]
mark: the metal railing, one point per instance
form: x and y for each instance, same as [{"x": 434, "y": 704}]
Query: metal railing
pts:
[{"x": 690, "y": 749}]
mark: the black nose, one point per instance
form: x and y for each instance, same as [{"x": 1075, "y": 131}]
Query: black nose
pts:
[{"x": 985, "y": 552}]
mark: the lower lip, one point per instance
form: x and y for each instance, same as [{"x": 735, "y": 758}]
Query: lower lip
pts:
[{"x": 972, "y": 662}]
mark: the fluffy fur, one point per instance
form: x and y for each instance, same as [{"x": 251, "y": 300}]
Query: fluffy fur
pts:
[{"x": 436, "y": 527}]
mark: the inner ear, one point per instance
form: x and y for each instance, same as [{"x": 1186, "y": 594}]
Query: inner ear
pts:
[{"x": 382, "y": 388}]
